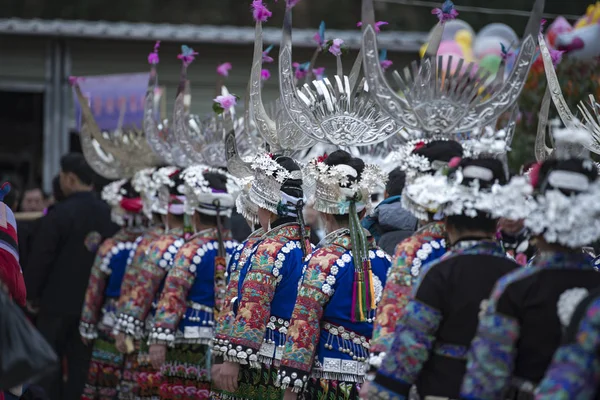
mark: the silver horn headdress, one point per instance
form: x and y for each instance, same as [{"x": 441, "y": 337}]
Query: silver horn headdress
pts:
[
  {"x": 443, "y": 103},
  {"x": 113, "y": 154},
  {"x": 339, "y": 112},
  {"x": 590, "y": 113},
  {"x": 159, "y": 130}
]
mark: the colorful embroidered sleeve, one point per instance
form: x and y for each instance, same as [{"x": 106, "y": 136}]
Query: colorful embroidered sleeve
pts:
[
  {"x": 492, "y": 353},
  {"x": 305, "y": 325},
  {"x": 227, "y": 316},
  {"x": 395, "y": 297},
  {"x": 414, "y": 338},
  {"x": 137, "y": 251},
  {"x": 575, "y": 369},
  {"x": 172, "y": 303},
  {"x": 94, "y": 296},
  {"x": 155, "y": 266},
  {"x": 248, "y": 331}
]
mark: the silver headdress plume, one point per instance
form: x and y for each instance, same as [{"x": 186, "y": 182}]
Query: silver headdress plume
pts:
[
  {"x": 338, "y": 112},
  {"x": 590, "y": 113},
  {"x": 282, "y": 135},
  {"x": 438, "y": 103},
  {"x": 159, "y": 131},
  {"x": 115, "y": 154}
]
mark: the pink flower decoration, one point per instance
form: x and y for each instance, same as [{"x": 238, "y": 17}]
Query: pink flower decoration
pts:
[
  {"x": 378, "y": 25},
  {"x": 319, "y": 73},
  {"x": 300, "y": 70},
  {"x": 226, "y": 102},
  {"x": 556, "y": 56},
  {"x": 534, "y": 174},
  {"x": 385, "y": 64},
  {"x": 446, "y": 13},
  {"x": 260, "y": 12},
  {"x": 224, "y": 69},
  {"x": 454, "y": 162},
  {"x": 265, "y": 75},
  {"x": 265, "y": 57},
  {"x": 542, "y": 24},
  {"x": 187, "y": 55},
  {"x": 336, "y": 47},
  {"x": 153, "y": 57},
  {"x": 74, "y": 80}
]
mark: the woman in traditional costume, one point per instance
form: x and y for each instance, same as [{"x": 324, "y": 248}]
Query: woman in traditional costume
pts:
[
  {"x": 194, "y": 289},
  {"x": 437, "y": 326},
  {"x": 138, "y": 306},
  {"x": 522, "y": 323},
  {"x": 98, "y": 317},
  {"x": 267, "y": 285},
  {"x": 327, "y": 344}
]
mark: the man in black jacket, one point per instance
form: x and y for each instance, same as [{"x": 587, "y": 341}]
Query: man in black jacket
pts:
[{"x": 58, "y": 270}]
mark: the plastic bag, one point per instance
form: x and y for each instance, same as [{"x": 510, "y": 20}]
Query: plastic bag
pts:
[{"x": 24, "y": 353}]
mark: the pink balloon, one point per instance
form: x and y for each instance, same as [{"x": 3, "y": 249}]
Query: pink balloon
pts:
[{"x": 450, "y": 47}]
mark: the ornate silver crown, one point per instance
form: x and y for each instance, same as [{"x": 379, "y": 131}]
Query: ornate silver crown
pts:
[
  {"x": 590, "y": 112},
  {"x": 113, "y": 154},
  {"x": 338, "y": 111},
  {"x": 159, "y": 131},
  {"x": 445, "y": 103},
  {"x": 281, "y": 133}
]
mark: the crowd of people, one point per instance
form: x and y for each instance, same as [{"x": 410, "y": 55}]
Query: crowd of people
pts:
[{"x": 271, "y": 275}]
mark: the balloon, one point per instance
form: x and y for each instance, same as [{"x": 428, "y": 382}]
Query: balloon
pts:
[
  {"x": 490, "y": 63},
  {"x": 592, "y": 15},
  {"x": 489, "y": 38},
  {"x": 582, "y": 44},
  {"x": 451, "y": 27},
  {"x": 450, "y": 47},
  {"x": 464, "y": 39}
]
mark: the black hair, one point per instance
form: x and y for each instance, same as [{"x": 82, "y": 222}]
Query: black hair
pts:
[
  {"x": 75, "y": 163},
  {"x": 57, "y": 190},
  {"x": 341, "y": 157},
  {"x": 440, "y": 150},
  {"x": 481, "y": 223},
  {"x": 492, "y": 164},
  {"x": 396, "y": 182},
  {"x": 128, "y": 191},
  {"x": 579, "y": 165},
  {"x": 178, "y": 180},
  {"x": 291, "y": 187},
  {"x": 11, "y": 199}
]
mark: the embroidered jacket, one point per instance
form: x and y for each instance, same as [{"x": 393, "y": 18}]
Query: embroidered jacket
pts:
[
  {"x": 522, "y": 324},
  {"x": 267, "y": 293},
  {"x": 188, "y": 302},
  {"x": 136, "y": 306},
  {"x": 104, "y": 286},
  {"x": 137, "y": 255},
  {"x": 321, "y": 328},
  {"x": 239, "y": 258},
  {"x": 575, "y": 369},
  {"x": 432, "y": 338},
  {"x": 426, "y": 245}
]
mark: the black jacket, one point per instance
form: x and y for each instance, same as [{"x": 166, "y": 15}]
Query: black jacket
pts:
[{"x": 63, "y": 252}]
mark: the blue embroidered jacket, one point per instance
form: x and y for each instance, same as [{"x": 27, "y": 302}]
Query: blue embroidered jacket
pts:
[
  {"x": 323, "y": 341},
  {"x": 522, "y": 324},
  {"x": 440, "y": 321},
  {"x": 193, "y": 292},
  {"x": 267, "y": 289},
  {"x": 575, "y": 369}
]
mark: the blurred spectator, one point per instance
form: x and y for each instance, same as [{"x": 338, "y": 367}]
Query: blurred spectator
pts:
[
  {"x": 32, "y": 200},
  {"x": 390, "y": 223},
  {"x": 311, "y": 217},
  {"x": 58, "y": 271}
]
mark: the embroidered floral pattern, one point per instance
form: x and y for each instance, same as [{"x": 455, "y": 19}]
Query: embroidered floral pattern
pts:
[
  {"x": 104, "y": 373},
  {"x": 398, "y": 288},
  {"x": 575, "y": 369},
  {"x": 173, "y": 302},
  {"x": 156, "y": 264},
  {"x": 490, "y": 358},
  {"x": 91, "y": 314},
  {"x": 266, "y": 269},
  {"x": 138, "y": 253},
  {"x": 185, "y": 373},
  {"x": 238, "y": 260},
  {"x": 415, "y": 335}
]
